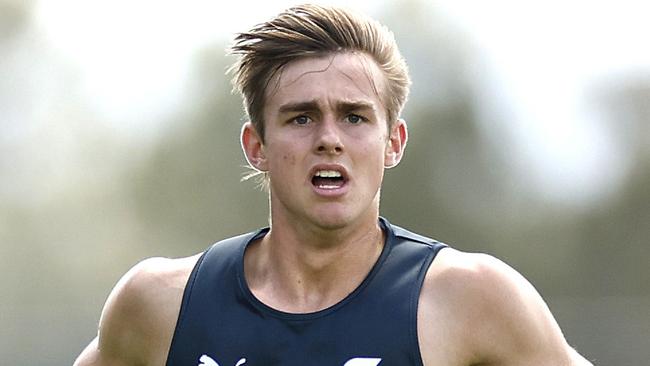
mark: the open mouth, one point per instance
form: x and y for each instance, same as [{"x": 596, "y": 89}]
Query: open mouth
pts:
[{"x": 328, "y": 179}]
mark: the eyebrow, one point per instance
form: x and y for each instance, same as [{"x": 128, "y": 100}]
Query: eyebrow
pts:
[
  {"x": 355, "y": 106},
  {"x": 312, "y": 105}
]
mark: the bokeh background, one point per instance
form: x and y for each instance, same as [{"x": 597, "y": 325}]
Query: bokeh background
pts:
[{"x": 529, "y": 139}]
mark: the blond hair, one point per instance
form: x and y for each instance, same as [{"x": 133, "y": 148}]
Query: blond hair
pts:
[{"x": 314, "y": 30}]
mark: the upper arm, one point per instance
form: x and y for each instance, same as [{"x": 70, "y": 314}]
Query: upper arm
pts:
[
  {"x": 111, "y": 346},
  {"x": 496, "y": 316},
  {"x": 89, "y": 356},
  {"x": 139, "y": 316},
  {"x": 519, "y": 328}
]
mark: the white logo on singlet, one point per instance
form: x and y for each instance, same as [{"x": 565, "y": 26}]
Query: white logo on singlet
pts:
[
  {"x": 363, "y": 362},
  {"x": 206, "y": 360}
]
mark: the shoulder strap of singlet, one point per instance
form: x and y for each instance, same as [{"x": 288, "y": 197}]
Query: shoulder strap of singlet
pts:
[{"x": 225, "y": 251}]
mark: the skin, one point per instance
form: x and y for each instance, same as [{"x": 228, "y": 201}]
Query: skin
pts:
[{"x": 325, "y": 113}]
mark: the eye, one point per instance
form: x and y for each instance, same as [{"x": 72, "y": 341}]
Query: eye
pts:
[
  {"x": 354, "y": 119},
  {"x": 301, "y": 120}
]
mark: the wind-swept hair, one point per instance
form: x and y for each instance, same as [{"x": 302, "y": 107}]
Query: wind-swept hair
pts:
[{"x": 312, "y": 31}]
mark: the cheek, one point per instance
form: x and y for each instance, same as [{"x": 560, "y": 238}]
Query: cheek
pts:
[
  {"x": 289, "y": 159},
  {"x": 374, "y": 155},
  {"x": 283, "y": 152}
]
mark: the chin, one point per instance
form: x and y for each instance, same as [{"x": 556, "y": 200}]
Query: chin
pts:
[
  {"x": 336, "y": 220},
  {"x": 333, "y": 224}
]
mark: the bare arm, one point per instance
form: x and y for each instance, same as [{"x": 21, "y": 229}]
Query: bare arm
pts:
[
  {"x": 492, "y": 314},
  {"x": 522, "y": 331},
  {"x": 578, "y": 360},
  {"x": 139, "y": 317},
  {"x": 90, "y": 355}
]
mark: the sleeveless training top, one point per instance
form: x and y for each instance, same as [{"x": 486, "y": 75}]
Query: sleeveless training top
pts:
[{"x": 221, "y": 323}]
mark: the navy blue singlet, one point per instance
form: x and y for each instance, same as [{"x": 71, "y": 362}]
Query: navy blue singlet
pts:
[{"x": 221, "y": 323}]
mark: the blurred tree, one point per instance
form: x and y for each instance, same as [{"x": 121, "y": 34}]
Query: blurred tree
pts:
[
  {"x": 14, "y": 17},
  {"x": 189, "y": 192},
  {"x": 618, "y": 233},
  {"x": 456, "y": 182}
]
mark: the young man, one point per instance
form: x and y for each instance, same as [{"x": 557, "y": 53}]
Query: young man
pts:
[{"x": 330, "y": 282}]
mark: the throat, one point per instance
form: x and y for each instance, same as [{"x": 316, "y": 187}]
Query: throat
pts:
[{"x": 306, "y": 281}]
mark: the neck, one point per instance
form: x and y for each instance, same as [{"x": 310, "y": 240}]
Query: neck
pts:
[{"x": 301, "y": 270}]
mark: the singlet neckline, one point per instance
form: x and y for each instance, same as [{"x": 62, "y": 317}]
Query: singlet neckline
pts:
[{"x": 257, "y": 303}]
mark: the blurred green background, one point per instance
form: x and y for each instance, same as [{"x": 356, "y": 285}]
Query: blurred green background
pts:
[{"x": 529, "y": 140}]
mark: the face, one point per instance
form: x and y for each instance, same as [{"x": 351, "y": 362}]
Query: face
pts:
[{"x": 326, "y": 142}]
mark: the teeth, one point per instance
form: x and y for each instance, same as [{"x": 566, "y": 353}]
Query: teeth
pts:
[
  {"x": 328, "y": 174},
  {"x": 328, "y": 187}
]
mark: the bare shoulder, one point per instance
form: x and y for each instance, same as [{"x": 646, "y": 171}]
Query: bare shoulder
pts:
[
  {"x": 492, "y": 315},
  {"x": 139, "y": 316}
]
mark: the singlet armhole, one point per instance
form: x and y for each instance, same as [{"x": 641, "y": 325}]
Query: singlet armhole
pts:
[
  {"x": 187, "y": 292},
  {"x": 415, "y": 299}
]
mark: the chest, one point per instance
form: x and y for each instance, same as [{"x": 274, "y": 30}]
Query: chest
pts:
[
  {"x": 354, "y": 332},
  {"x": 222, "y": 323}
]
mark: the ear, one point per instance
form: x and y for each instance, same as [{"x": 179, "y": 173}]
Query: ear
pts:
[
  {"x": 397, "y": 137},
  {"x": 253, "y": 147}
]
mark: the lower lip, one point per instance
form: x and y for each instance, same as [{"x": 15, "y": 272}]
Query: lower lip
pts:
[{"x": 330, "y": 192}]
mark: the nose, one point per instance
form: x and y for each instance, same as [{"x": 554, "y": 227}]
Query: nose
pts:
[{"x": 328, "y": 138}]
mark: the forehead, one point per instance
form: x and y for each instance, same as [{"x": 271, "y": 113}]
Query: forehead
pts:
[{"x": 343, "y": 76}]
